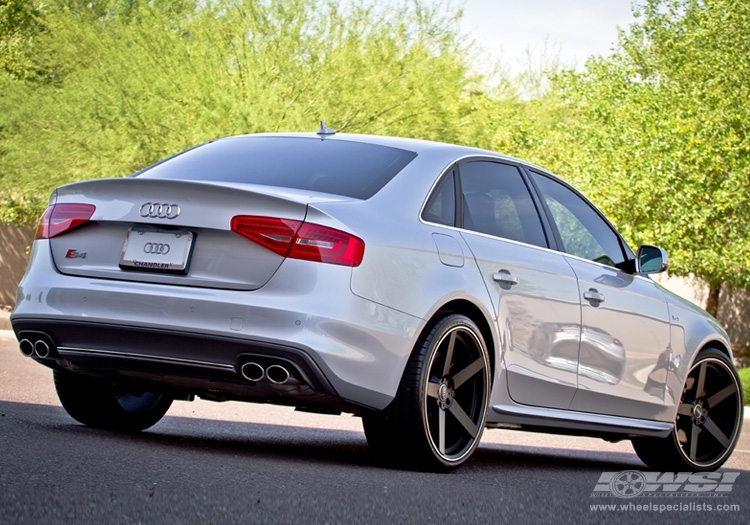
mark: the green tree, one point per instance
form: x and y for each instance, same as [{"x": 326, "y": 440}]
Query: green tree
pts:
[
  {"x": 132, "y": 81},
  {"x": 658, "y": 133},
  {"x": 18, "y": 24}
]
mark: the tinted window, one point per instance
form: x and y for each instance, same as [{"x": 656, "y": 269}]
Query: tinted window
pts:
[
  {"x": 441, "y": 208},
  {"x": 350, "y": 169},
  {"x": 497, "y": 202},
  {"x": 583, "y": 231}
]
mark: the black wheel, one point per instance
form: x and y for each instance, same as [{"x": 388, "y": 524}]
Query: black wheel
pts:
[
  {"x": 98, "y": 403},
  {"x": 708, "y": 422},
  {"x": 437, "y": 418}
]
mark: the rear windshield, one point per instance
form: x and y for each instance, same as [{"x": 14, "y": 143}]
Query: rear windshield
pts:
[{"x": 350, "y": 169}]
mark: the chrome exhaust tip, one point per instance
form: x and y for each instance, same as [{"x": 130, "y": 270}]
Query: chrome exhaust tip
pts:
[
  {"x": 42, "y": 349},
  {"x": 26, "y": 347},
  {"x": 277, "y": 374},
  {"x": 252, "y": 371}
]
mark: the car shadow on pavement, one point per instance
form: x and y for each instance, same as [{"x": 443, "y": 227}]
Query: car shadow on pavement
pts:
[
  {"x": 283, "y": 442},
  {"x": 527, "y": 457}
]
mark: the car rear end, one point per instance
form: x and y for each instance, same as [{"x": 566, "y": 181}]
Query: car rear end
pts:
[{"x": 187, "y": 280}]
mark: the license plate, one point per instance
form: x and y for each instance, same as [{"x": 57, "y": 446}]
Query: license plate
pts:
[{"x": 157, "y": 250}]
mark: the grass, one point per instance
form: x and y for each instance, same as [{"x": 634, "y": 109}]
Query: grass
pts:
[{"x": 745, "y": 379}]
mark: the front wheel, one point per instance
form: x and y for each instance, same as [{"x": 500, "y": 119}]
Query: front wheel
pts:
[
  {"x": 437, "y": 418},
  {"x": 708, "y": 422},
  {"x": 98, "y": 403}
]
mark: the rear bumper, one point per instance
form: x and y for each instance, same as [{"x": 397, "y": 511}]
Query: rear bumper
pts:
[
  {"x": 196, "y": 339},
  {"x": 178, "y": 363}
]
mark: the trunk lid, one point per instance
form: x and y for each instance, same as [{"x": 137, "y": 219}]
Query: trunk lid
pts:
[{"x": 136, "y": 218}]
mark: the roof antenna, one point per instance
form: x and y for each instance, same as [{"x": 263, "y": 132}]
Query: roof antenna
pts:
[{"x": 324, "y": 132}]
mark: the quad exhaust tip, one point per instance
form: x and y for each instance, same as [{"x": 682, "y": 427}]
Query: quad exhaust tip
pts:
[
  {"x": 26, "y": 347},
  {"x": 41, "y": 349},
  {"x": 252, "y": 371},
  {"x": 275, "y": 374}
]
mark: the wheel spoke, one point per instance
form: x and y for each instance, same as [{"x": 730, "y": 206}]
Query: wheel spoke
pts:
[
  {"x": 457, "y": 358},
  {"x": 441, "y": 431},
  {"x": 449, "y": 353},
  {"x": 465, "y": 421},
  {"x": 716, "y": 432},
  {"x": 468, "y": 372},
  {"x": 704, "y": 433},
  {"x": 721, "y": 395},
  {"x": 432, "y": 389},
  {"x": 700, "y": 386},
  {"x": 693, "y": 441}
]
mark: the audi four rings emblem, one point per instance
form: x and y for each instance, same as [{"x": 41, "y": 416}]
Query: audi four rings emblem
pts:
[
  {"x": 156, "y": 210},
  {"x": 158, "y": 248}
]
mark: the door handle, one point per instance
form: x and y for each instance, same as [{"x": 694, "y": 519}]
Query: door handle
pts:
[
  {"x": 504, "y": 277},
  {"x": 594, "y": 296}
]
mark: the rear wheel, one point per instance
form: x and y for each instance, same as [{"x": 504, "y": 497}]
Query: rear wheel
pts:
[
  {"x": 98, "y": 403},
  {"x": 708, "y": 422},
  {"x": 437, "y": 418}
]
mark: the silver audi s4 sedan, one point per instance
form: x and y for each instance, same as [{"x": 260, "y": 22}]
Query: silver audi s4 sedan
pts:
[{"x": 434, "y": 290}]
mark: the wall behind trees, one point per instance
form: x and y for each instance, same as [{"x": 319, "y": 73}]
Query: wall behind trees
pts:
[
  {"x": 733, "y": 307},
  {"x": 14, "y": 253},
  {"x": 734, "y": 312}
]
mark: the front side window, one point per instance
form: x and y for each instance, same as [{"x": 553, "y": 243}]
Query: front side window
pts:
[
  {"x": 583, "y": 231},
  {"x": 497, "y": 202}
]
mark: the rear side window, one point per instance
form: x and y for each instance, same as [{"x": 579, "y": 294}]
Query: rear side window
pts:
[
  {"x": 497, "y": 202},
  {"x": 349, "y": 169},
  {"x": 441, "y": 207}
]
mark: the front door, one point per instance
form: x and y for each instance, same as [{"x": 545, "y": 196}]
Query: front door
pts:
[{"x": 625, "y": 334}]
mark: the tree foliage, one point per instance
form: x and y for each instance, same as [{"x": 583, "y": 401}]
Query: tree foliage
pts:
[
  {"x": 660, "y": 132},
  {"x": 18, "y": 25},
  {"x": 127, "y": 82},
  {"x": 656, "y": 133}
]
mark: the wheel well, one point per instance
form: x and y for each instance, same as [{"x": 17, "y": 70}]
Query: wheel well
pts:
[
  {"x": 471, "y": 311},
  {"x": 716, "y": 345}
]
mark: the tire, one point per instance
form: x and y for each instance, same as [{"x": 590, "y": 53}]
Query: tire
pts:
[
  {"x": 708, "y": 421},
  {"x": 438, "y": 415},
  {"x": 101, "y": 404}
]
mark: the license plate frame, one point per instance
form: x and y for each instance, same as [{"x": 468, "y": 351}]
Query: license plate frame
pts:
[{"x": 151, "y": 250}]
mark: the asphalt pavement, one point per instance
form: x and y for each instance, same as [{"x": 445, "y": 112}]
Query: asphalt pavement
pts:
[{"x": 246, "y": 463}]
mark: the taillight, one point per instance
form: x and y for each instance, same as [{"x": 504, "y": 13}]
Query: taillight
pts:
[
  {"x": 271, "y": 233},
  {"x": 323, "y": 244},
  {"x": 301, "y": 240},
  {"x": 60, "y": 218}
]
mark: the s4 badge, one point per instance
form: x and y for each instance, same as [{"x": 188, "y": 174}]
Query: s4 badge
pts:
[{"x": 75, "y": 254}]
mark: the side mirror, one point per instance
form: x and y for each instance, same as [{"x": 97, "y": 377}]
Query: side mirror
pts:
[{"x": 651, "y": 259}]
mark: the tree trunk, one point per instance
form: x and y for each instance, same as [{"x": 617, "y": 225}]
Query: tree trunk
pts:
[{"x": 712, "y": 302}]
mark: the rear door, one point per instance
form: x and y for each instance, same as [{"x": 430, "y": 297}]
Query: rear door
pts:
[{"x": 532, "y": 287}]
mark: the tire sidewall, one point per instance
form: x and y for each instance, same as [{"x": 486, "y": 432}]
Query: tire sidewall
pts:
[
  {"x": 443, "y": 329},
  {"x": 712, "y": 354},
  {"x": 95, "y": 403}
]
